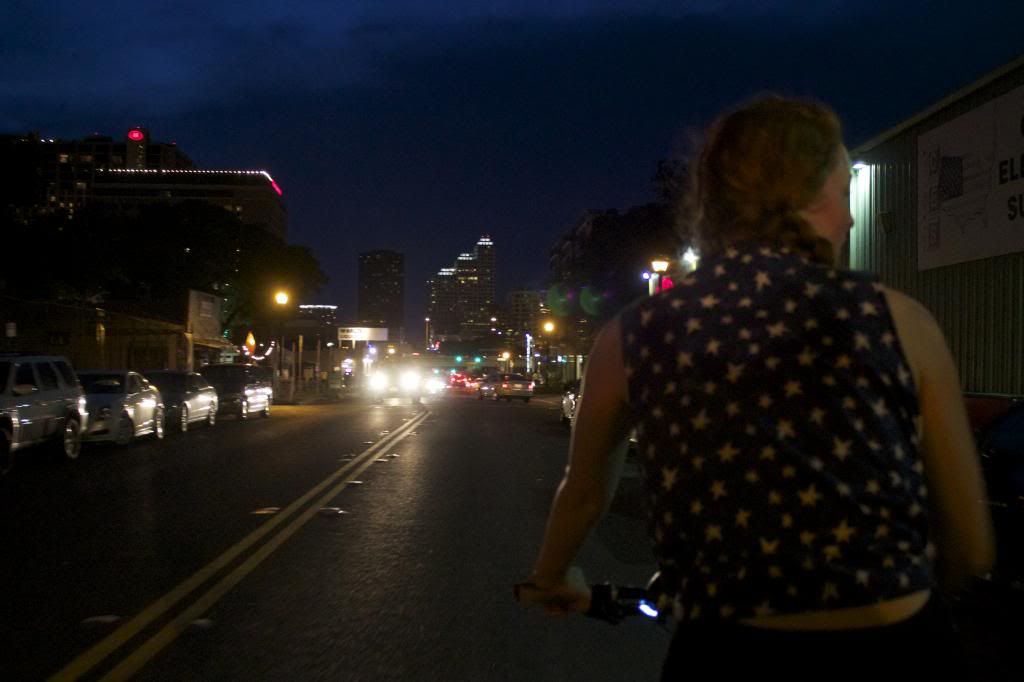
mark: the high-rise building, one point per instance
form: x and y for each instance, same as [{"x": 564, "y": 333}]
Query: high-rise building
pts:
[
  {"x": 442, "y": 304},
  {"x": 381, "y": 291},
  {"x": 250, "y": 195},
  {"x": 524, "y": 310},
  {"x": 462, "y": 298},
  {"x": 43, "y": 176},
  {"x": 325, "y": 315}
]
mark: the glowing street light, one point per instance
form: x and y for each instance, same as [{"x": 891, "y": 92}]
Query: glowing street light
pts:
[
  {"x": 549, "y": 327},
  {"x": 280, "y": 298}
]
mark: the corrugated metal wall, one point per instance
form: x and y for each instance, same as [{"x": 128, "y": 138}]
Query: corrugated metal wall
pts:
[{"x": 980, "y": 304}]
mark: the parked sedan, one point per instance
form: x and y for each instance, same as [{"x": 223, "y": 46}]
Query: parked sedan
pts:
[
  {"x": 188, "y": 398},
  {"x": 241, "y": 389},
  {"x": 121, "y": 406}
]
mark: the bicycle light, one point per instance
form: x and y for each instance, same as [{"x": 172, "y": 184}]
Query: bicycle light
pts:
[{"x": 647, "y": 609}]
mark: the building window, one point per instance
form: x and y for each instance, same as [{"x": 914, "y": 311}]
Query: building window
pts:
[{"x": 63, "y": 158}]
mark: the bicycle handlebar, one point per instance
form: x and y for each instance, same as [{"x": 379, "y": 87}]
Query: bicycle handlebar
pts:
[{"x": 611, "y": 603}]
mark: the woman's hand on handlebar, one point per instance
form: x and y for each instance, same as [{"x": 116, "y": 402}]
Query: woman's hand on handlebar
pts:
[{"x": 568, "y": 595}]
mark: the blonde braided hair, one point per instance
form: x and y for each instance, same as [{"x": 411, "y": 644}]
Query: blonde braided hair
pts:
[{"x": 761, "y": 164}]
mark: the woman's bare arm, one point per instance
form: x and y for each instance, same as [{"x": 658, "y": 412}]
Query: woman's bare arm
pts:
[
  {"x": 959, "y": 514},
  {"x": 596, "y": 452}
]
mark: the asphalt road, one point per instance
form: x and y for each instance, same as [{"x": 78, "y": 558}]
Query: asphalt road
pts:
[{"x": 328, "y": 542}]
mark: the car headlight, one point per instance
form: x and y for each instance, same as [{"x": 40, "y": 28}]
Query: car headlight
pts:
[
  {"x": 410, "y": 381},
  {"x": 81, "y": 406},
  {"x": 378, "y": 382}
]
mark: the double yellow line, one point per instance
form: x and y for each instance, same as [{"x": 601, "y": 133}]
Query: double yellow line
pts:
[{"x": 89, "y": 659}]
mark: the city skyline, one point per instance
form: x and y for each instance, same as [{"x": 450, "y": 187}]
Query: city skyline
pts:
[{"x": 418, "y": 126}]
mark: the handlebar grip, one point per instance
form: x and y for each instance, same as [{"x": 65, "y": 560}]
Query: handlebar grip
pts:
[{"x": 608, "y": 602}]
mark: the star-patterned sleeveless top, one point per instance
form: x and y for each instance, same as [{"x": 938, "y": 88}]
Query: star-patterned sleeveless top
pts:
[{"x": 776, "y": 421}]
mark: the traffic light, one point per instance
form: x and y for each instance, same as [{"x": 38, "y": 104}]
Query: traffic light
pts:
[
  {"x": 476, "y": 359},
  {"x": 458, "y": 358}
]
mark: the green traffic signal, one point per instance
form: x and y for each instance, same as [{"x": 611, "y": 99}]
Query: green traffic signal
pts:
[
  {"x": 476, "y": 359},
  {"x": 458, "y": 358}
]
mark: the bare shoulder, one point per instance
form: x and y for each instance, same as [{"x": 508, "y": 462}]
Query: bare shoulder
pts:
[
  {"x": 605, "y": 365},
  {"x": 606, "y": 353},
  {"x": 919, "y": 334},
  {"x": 908, "y": 311}
]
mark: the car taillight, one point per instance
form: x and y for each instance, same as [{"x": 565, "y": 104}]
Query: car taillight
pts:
[
  {"x": 504, "y": 385},
  {"x": 531, "y": 385}
]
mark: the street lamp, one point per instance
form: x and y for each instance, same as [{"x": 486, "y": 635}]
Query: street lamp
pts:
[
  {"x": 281, "y": 299},
  {"x": 549, "y": 328},
  {"x": 426, "y": 332}
]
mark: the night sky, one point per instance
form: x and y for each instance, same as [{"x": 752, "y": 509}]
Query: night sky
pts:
[{"x": 420, "y": 125}]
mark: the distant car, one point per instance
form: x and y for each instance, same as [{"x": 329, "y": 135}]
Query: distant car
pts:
[
  {"x": 506, "y": 387},
  {"x": 41, "y": 401},
  {"x": 122, "y": 405},
  {"x": 485, "y": 387},
  {"x": 394, "y": 380},
  {"x": 241, "y": 389},
  {"x": 570, "y": 397},
  {"x": 188, "y": 398}
]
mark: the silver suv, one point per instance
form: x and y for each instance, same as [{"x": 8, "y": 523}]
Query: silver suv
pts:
[{"x": 40, "y": 401}]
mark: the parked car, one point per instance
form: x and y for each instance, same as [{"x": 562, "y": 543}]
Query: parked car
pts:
[
  {"x": 506, "y": 387},
  {"x": 122, "y": 405},
  {"x": 41, "y": 401},
  {"x": 188, "y": 398},
  {"x": 570, "y": 396},
  {"x": 998, "y": 423},
  {"x": 241, "y": 389}
]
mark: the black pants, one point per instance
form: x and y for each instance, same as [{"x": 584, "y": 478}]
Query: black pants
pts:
[{"x": 923, "y": 647}]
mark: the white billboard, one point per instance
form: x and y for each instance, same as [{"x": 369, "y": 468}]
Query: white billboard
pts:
[
  {"x": 970, "y": 185},
  {"x": 362, "y": 333}
]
